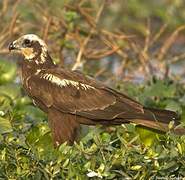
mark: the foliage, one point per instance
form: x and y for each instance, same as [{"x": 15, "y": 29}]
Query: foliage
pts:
[{"x": 113, "y": 152}]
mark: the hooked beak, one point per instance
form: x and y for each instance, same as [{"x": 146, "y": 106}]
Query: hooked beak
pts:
[{"x": 13, "y": 46}]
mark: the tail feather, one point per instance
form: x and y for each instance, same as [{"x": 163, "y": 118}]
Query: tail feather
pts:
[
  {"x": 163, "y": 116},
  {"x": 159, "y": 120}
]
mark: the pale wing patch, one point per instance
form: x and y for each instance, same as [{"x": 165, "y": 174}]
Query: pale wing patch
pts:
[{"x": 65, "y": 82}]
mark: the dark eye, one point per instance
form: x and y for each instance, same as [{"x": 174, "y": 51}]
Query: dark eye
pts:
[{"x": 27, "y": 42}]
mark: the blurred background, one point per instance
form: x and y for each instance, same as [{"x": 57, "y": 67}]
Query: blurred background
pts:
[
  {"x": 126, "y": 40},
  {"x": 135, "y": 46}
]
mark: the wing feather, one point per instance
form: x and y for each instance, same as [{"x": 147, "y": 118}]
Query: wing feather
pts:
[{"x": 75, "y": 93}]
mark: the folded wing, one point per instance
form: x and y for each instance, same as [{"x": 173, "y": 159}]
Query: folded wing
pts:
[{"x": 71, "y": 92}]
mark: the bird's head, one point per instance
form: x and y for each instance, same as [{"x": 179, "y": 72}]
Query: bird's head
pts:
[{"x": 31, "y": 47}]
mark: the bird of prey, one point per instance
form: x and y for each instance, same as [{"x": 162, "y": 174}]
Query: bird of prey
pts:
[{"x": 70, "y": 98}]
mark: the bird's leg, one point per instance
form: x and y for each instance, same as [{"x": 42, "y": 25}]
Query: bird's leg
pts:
[{"x": 64, "y": 127}]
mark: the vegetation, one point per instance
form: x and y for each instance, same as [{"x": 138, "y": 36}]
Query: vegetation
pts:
[{"x": 136, "y": 47}]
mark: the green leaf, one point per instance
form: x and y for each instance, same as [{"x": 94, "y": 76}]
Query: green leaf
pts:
[
  {"x": 136, "y": 167},
  {"x": 7, "y": 71},
  {"x": 160, "y": 89},
  {"x": 173, "y": 106},
  {"x": 147, "y": 136},
  {"x": 33, "y": 113},
  {"x": 106, "y": 137},
  {"x": 5, "y": 126},
  {"x": 179, "y": 147},
  {"x": 70, "y": 16},
  {"x": 10, "y": 90}
]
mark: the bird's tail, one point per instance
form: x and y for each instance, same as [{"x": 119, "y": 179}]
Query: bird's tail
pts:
[{"x": 159, "y": 120}]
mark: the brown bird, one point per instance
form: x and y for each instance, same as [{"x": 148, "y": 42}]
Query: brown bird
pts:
[{"x": 71, "y": 98}]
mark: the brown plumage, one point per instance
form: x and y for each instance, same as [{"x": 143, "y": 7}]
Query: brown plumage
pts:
[{"x": 70, "y": 98}]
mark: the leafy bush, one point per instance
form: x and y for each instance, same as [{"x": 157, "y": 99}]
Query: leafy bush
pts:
[{"x": 126, "y": 151}]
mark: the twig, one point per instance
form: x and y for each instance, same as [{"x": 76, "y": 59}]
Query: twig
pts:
[
  {"x": 46, "y": 28},
  {"x": 169, "y": 42},
  {"x": 147, "y": 39},
  {"x": 100, "y": 54},
  {"x": 158, "y": 35},
  {"x": 12, "y": 23},
  {"x": 101, "y": 71},
  {"x": 177, "y": 58},
  {"x": 4, "y": 8},
  {"x": 105, "y": 32},
  {"x": 15, "y": 6},
  {"x": 83, "y": 45},
  {"x": 88, "y": 18}
]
